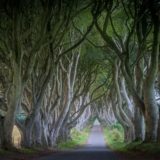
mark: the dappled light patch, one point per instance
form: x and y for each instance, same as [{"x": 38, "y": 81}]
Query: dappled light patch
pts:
[{"x": 16, "y": 137}]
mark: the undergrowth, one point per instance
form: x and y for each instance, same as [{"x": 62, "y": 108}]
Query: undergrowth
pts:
[
  {"x": 140, "y": 146},
  {"x": 114, "y": 137},
  {"x": 78, "y": 138}
]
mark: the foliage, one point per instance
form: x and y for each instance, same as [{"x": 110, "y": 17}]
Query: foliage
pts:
[
  {"x": 78, "y": 138},
  {"x": 118, "y": 127},
  {"x": 114, "y": 137}
]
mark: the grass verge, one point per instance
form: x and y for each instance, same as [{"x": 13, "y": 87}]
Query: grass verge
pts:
[
  {"x": 139, "y": 146},
  {"x": 114, "y": 137}
]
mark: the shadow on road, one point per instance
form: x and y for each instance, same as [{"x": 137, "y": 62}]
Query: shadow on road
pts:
[
  {"x": 91, "y": 154},
  {"x": 95, "y": 149}
]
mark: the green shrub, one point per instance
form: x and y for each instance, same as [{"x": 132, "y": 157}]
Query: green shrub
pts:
[
  {"x": 116, "y": 135},
  {"x": 78, "y": 138},
  {"x": 117, "y": 126}
]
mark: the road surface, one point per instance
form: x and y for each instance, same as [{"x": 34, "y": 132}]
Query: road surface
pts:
[{"x": 95, "y": 149}]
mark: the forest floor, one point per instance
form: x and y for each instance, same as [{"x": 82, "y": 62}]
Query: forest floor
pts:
[{"x": 94, "y": 149}]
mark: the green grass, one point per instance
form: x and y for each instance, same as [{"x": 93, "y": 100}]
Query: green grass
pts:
[
  {"x": 22, "y": 150},
  {"x": 29, "y": 151},
  {"x": 78, "y": 138},
  {"x": 139, "y": 146},
  {"x": 4, "y": 152},
  {"x": 114, "y": 137}
]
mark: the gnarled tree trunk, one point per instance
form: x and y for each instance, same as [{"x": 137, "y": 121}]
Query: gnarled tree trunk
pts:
[{"x": 152, "y": 111}]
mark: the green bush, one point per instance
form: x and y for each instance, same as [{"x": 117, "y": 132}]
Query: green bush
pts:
[
  {"x": 116, "y": 135},
  {"x": 117, "y": 126},
  {"x": 78, "y": 138}
]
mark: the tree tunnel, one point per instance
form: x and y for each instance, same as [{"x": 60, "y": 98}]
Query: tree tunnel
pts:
[{"x": 63, "y": 63}]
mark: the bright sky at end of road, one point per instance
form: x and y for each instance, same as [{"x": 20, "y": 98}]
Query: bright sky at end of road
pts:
[{"x": 96, "y": 122}]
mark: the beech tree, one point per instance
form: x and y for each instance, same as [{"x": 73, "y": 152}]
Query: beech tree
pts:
[
  {"x": 65, "y": 62},
  {"x": 125, "y": 45}
]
